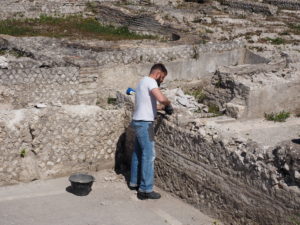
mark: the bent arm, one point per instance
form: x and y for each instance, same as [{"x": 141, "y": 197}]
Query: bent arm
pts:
[{"x": 160, "y": 97}]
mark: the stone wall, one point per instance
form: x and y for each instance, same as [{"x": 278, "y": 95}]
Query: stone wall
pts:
[
  {"x": 249, "y": 91},
  {"x": 285, "y": 4},
  {"x": 34, "y": 8},
  {"x": 251, "y": 6},
  {"x": 57, "y": 141},
  {"x": 233, "y": 179},
  {"x": 87, "y": 74}
]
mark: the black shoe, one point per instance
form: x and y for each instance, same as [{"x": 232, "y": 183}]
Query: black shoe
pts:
[
  {"x": 133, "y": 188},
  {"x": 151, "y": 195}
]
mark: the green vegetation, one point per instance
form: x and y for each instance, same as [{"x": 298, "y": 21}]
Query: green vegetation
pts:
[
  {"x": 258, "y": 49},
  {"x": 112, "y": 101},
  {"x": 294, "y": 28},
  {"x": 215, "y": 223},
  {"x": 197, "y": 93},
  {"x": 276, "y": 41},
  {"x": 197, "y": 21},
  {"x": 214, "y": 109},
  {"x": 284, "y": 33},
  {"x": 295, "y": 220},
  {"x": 70, "y": 26},
  {"x": 23, "y": 153},
  {"x": 277, "y": 117},
  {"x": 16, "y": 53}
]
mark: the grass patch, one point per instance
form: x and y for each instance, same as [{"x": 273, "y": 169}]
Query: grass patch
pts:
[
  {"x": 276, "y": 41},
  {"x": 198, "y": 94},
  {"x": 70, "y": 26},
  {"x": 277, "y": 117}
]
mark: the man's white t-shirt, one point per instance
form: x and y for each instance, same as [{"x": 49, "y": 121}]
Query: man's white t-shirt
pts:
[{"x": 145, "y": 103}]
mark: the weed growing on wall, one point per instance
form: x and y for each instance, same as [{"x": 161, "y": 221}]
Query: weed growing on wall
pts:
[
  {"x": 276, "y": 41},
  {"x": 23, "y": 153},
  {"x": 295, "y": 220},
  {"x": 112, "y": 101},
  {"x": 70, "y": 26},
  {"x": 277, "y": 117},
  {"x": 214, "y": 109},
  {"x": 294, "y": 28},
  {"x": 13, "y": 52},
  {"x": 197, "y": 93}
]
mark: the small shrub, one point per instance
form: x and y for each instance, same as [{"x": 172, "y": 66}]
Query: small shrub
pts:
[
  {"x": 294, "y": 28},
  {"x": 276, "y": 41},
  {"x": 258, "y": 49},
  {"x": 197, "y": 21},
  {"x": 284, "y": 33},
  {"x": 277, "y": 117},
  {"x": 295, "y": 220},
  {"x": 215, "y": 223},
  {"x": 214, "y": 109},
  {"x": 23, "y": 153},
  {"x": 112, "y": 101}
]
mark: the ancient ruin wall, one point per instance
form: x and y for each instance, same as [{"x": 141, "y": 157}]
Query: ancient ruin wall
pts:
[
  {"x": 249, "y": 91},
  {"x": 46, "y": 134},
  {"x": 35, "y": 8},
  {"x": 57, "y": 141},
  {"x": 232, "y": 179},
  {"x": 285, "y": 4},
  {"x": 93, "y": 77},
  {"x": 251, "y": 6}
]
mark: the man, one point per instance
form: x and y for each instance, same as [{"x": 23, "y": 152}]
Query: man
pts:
[{"x": 142, "y": 164}]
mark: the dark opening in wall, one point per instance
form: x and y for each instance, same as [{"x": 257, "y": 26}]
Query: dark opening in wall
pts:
[{"x": 175, "y": 37}]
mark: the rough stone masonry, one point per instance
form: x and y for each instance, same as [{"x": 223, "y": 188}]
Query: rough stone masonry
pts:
[
  {"x": 55, "y": 118},
  {"x": 56, "y": 141}
]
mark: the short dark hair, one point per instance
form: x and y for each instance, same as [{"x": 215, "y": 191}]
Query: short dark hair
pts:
[{"x": 159, "y": 66}]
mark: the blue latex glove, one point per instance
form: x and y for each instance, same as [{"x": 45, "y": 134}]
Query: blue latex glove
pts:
[{"x": 130, "y": 91}]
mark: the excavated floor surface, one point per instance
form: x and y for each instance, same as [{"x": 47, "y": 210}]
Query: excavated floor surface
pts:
[{"x": 109, "y": 203}]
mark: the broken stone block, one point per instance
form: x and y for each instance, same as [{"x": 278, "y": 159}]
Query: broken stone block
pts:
[
  {"x": 3, "y": 62},
  {"x": 235, "y": 110}
]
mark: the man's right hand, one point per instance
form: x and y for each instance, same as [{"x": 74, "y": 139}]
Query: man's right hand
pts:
[{"x": 169, "y": 109}]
